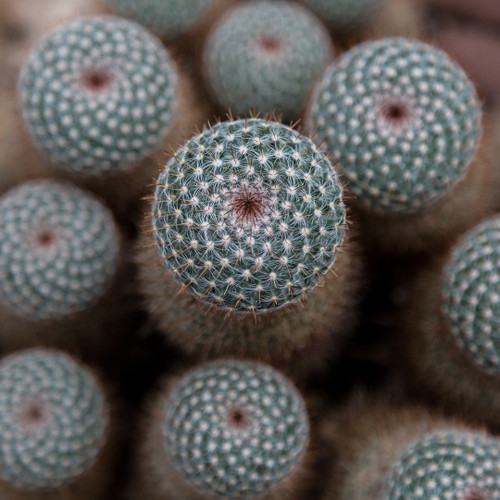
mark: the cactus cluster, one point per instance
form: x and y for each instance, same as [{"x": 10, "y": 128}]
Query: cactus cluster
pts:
[
  {"x": 402, "y": 119},
  {"x": 235, "y": 429},
  {"x": 98, "y": 94},
  {"x": 266, "y": 56},
  {"x": 346, "y": 16},
  {"x": 447, "y": 464},
  {"x": 248, "y": 215},
  {"x": 168, "y": 18},
  {"x": 59, "y": 250},
  {"x": 53, "y": 417},
  {"x": 471, "y": 295}
]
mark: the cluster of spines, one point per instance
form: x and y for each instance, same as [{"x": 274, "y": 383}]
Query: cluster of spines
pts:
[
  {"x": 249, "y": 215},
  {"x": 471, "y": 295},
  {"x": 53, "y": 416},
  {"x": 235, "y": 429},
  {"x": 402, "y": 119},
  {"x": 98, "y": 94},
  {"x": 265, "y": 57},
  {"x": 59, "y": 250}
]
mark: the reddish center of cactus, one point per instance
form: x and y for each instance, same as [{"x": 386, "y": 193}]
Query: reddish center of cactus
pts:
[
  {"x": 248, "y": 206},
  {"x": 45, "y": 239},
  {"x": 96, "y": 80},
  {"x": 475, "y": 495},
  {"x": 269, "y": 45},
  {"x": 237, "y": 419},
  {"x": 33, "y": 414},
  {"x": 395, "y": 114}
]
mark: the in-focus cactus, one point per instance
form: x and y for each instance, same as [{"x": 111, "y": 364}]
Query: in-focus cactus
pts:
[
  {"x": 266, "y": 56},
  {"x": 229, "y": 429},
  {"x": 168, "y": 18},
  {"x": 59, "y": 249},
  {"x": 98, "y": 94},
  {"x": 402, "y": 119},
  {"x": 249, "y": 215},
  {"x": 447, "y": 464},
  {"x": 346, "y": 16},
  {"x": 54, "y": 420}
]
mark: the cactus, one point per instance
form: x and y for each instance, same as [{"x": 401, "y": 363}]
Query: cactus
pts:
[
  {"x": 266, "y": 56},
  {"x": 59, "y": 249},
  {"x": 230, "y": 429},
  {"x": 346, "y": 16},
  {"x": 98, "y": 95},
  {"x": 471, "y": 295},
  {"x": 248, "y": 215},
  {"x": 54, "y": 420},
  {"x": 402, "y": 119},
  {"x": 169, "y": 18}
]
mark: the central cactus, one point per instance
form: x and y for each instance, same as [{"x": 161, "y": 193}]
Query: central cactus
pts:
[{"x": 249, "y": 216}]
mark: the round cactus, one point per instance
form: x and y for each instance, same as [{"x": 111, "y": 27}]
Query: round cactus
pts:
[
  {"x": 266, "y": 56},
  {"x": 402, "y": 119},
  {"x": 59, "y": 249},
  {"x": 447, "y": 464},
  {"x": 98, "y": 94},
  {"x": 53, "y": 417},
  {"x": 235, "y": 429},
  {"x": 249, "y": 215},
  {"x": 168, "y": 18},
  {"x": 346, "y": 16}
]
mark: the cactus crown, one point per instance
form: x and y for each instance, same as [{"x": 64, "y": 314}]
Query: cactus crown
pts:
[
  {"x": 471, "y": 295},
  {"x": 168, "y": 18},
  {"x": 235, "y": 429},
  {"x": 402, "y": 119},
  {"x": 59, "y": 249},
  {"x": 345, "y": 16},
  {"x": 266, "y": 56},
  {"x": 53, "y": 418},
  {"x": 249, "y": 215},
  {"x": 98, "y": 94},
  {"x": 447, "y": 465}
]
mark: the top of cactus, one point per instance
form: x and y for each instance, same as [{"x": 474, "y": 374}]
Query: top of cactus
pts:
[
  {"x": 53, "y": 418},
  {"x": 448, "y": 464},
  {"x": 402, "y": 119},
  {"x": 345, "y": 16},
  {"x": 98, "y": 94},
  {"x": 235, "y": 429},
  {"x": 471, "y": 295},
  {"x": 249, "y": 215},
  {"x": 59, "y": 249},
  {"x": 168, "y": 18},
  {"x": 266, "y": 56}
]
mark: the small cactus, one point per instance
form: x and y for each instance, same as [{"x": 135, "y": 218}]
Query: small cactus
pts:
[
  {"x": 231, "y": 429},
  {"x": 59, "y": 249},
  {"x": 248, "y": 215},
  {"x": 265, "y": 57},
  {"x": 98, "y": 94},
  {"x": 402, "y": 119},
  {"x": 168, "y": 18},
  {"x": 54, "y": 419}
]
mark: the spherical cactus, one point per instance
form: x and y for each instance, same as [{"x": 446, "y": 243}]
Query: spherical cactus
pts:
[
  {"x": 402, "y": 119},
  {"x": 228, "y": 429},
  {"x": 169, "y": 18},
  {"x": 98, "y": 95},
  {"x": 266, "y": 56},
  {"x": 59, "y": 249},
  {"x": 54, "y": 421},
  {"x": 346, "y": 16}
]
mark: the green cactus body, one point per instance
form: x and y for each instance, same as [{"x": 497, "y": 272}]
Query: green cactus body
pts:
[
  {"x": 235, "y": 429},
  {"x": 266, "y": 56},
  {"x": 471, "y": 295},
  {"x": 98, "y": 94},
  {"x": 447, "y": 464},
  {"x": 53, "y": 417},
  {"x": 249, "y": 215},
  {"x": 402, "y": 119},
  {"x": 59, "y": 249},
  {"x": 168, "y": 18}
]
